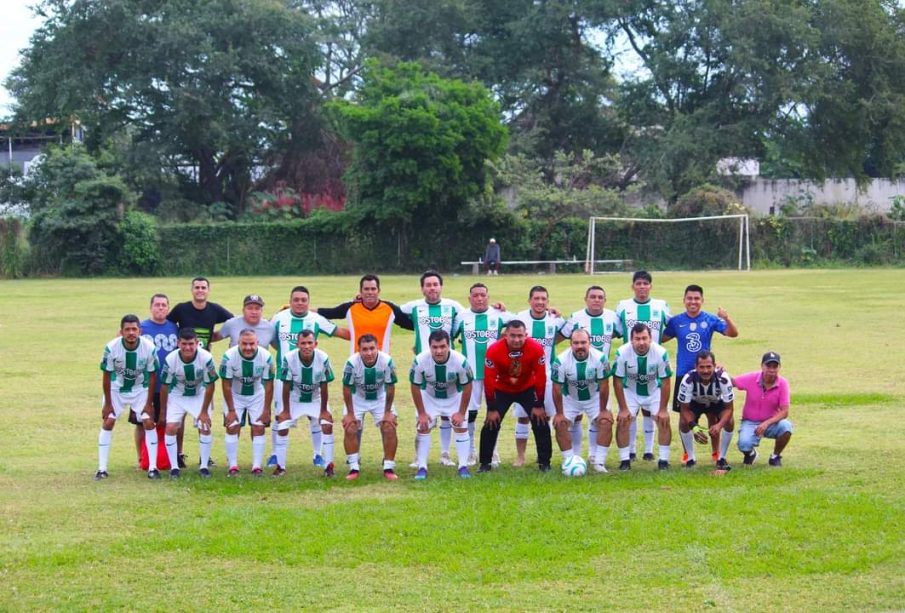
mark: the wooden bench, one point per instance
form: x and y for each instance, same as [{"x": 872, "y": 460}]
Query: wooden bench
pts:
[{"x": 551, "y": 264}]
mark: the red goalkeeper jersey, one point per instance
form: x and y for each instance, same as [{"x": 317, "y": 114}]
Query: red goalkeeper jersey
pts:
[{"x": 514, "y": 371}]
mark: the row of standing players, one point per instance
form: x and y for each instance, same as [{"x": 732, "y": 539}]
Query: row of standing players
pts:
[{"x": 446, "y": 393}]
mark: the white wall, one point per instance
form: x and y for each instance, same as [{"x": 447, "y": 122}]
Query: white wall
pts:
[{"x": 761, "y": 194}]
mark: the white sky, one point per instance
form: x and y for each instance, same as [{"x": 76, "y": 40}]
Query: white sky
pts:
[{"x": 16, "y": 26}]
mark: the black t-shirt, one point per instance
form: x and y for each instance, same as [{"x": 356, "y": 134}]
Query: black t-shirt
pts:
[{"x": 185, "y": 315}]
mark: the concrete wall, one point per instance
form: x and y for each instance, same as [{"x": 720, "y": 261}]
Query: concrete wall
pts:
[{"x": 762, "y": 194}]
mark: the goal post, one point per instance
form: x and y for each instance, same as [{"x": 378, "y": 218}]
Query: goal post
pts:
[{"x": 715, "y": 240}]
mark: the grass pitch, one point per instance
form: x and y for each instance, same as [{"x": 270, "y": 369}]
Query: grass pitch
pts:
[{"x": 823, "y": 532}]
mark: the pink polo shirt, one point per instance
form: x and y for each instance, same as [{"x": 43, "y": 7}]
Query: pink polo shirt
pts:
[{"x": 760, "y": 403}]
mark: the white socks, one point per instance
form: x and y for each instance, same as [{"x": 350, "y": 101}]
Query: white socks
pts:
[
  {"x": 632, "y": 435},
  {"x": 352, "y": 461},
  {"x": 522, "y": 431},
  {"x": 327, "y": 448},
  {"x": 600, "y": 455},
  {"x": 688, "y": 442},
  {"x": 204, "y": 443},
  {"x": 664, "y": 453},
  {"x": 592, "y": 439},
  {"x": 103, "y": 449},
  {"x": 648, "y": 434},
  {"x": 314, "y": 425},
  {"x": 257, "y": 450},
  {"x": 463, "y": 443},
  {"x": 422, "y": 446},
  {"x": 445, "y": 435},
  {"x": 575, "y": 432},
  {"x": 725, "y": 439},
  {"x": 151, "y": 441},
  {"x": 172, "y": 448},
  {"x": 231, "y": 442},
  {"x": 280, "y": 449}
]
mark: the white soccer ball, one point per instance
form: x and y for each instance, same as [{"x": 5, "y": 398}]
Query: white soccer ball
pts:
[{"x": 574, "y": 467}]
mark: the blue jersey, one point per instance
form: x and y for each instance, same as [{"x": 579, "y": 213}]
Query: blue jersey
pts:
[
  {"x": 692, "y": 334},
  {"x": 164, "y": 338}
]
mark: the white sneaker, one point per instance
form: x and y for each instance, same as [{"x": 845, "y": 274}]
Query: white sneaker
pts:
[
  {"x": 445, "y": 460},
  {"x": 472, "y": 458},
  {"x": 600, "y": 468},
  {"x": 495, "y": 461}
]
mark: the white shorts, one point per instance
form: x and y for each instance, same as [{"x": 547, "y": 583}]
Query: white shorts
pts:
[
  {"x": 435, "y": 410},
  {"x": 376, "y": 411},
  {"x": 648, "y": 403},
  {"x": 178, "y": 406},
  {"x": 312, "y": 410},
  {"x": 549, "y": 407},
  {"x": 134, "y": 401},
  {"x": 477, "y": 395},
  {"x": 248, "y": 410},
  {"x": 572, "y": 410}
]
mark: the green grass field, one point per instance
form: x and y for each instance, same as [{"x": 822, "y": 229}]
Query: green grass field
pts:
[{"x": 825, "y": 532}]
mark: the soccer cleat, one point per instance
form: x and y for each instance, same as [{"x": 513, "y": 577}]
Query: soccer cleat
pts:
[
  {"x": 353, "y": 474},
  {"x": 257, "y": 471},
  {"x": 180, "y": 460},
  {"x": 690, "y": 464},
  {"x": 421, "y": 475},
  {"x": 722, "y": 464},
  {"x": 485, "y": 468},
  {"x": 750, "y": 456},
  {"x": 272, "y": 461},
  {"x": 390, "y": 475},
  {"x": 464, "y": 473},
  {"x": 472, "y": 458},
  {"x": 715, "y": 455},
  {"x": 445, "y": 460},
  {"x": 318, "y": 460},
  {"x": 495, "y": 459},
  {"x": 625, "y": 465},
  {"x": 154, "y": 474},
  {"x": 662, "y": 465},
  {"x": 544, "y": 468},
  {"x": 175, "y": 473},
  {"x": 633, "y": 456},
  {"x": 329, "y": 470},
  {"x": 279, "y": 471},
  {"x": 775, "y": 460},
  {"x": 648, "y": 457},
  {"x": 233, "y": 471},
  {"x": 205, "y": 473},
  {"x": 600, "y": 468},
  {"x": 100, "y": 475},
  {"x": 684, "y": 457}
]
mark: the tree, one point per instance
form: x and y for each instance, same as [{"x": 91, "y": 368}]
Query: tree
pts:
[
  {"x": 421, "y": 143},
  {"x": 214, "y": 86}
]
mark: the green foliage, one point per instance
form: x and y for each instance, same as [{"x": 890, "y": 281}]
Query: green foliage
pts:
[
  {"x": 13, "y": 248},
  {"x": 706, "y": 200},
  {"x": 897, "y": 211},
  {"x": 139, "y": 254}
]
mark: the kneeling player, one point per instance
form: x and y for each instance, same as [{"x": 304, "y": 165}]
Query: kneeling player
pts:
[
  {"x": 580, "y": 388},
  {"x": 188, "y": 377},
  {"x": 441, "y": 388},
  {"x": 129, "y": 365},
  {"x": 369, "y": 387},
  {"x": 641, "y": 375},
  {"x": 247, "y": 372},
  {"x": 706, "y": 391},
  {"x": 305, "y": 373}
]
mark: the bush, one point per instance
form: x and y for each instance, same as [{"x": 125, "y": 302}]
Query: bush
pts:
[
  {"x": 140, "y": 254},
  {"x": 704, "y": 201},
  {"x": 13, "y": 247}
]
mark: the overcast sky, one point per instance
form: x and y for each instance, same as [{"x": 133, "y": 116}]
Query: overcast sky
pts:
[{"x": 16, "y": 26}]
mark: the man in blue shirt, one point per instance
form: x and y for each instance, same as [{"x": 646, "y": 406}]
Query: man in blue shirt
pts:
[
  {"x": 693, "y": 331},
  {"x": 162, "y": 332}
]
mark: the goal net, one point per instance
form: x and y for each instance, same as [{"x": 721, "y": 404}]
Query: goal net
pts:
[{"x": 688, "y": 243}]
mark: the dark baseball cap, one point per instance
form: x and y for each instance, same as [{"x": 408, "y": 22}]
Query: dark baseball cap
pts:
[
  {"x": 253, "y": 299},
  {"x": 770, "y": 356}
]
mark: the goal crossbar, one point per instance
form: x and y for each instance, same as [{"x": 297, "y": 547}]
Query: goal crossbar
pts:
[{"x": 744, "y": 235}]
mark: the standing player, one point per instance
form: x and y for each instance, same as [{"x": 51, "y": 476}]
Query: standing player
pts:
[
  {"x": 252, "y": 317},
  {"x": 369, "y": 387},
  {"x": 515, "y": 371},
  {"x": 441, "y": 382},
  {"x": 287, "y": 324},
  {"x": 580, "y": 387},
  {"x": 305, "y": 373},
  {"x": 162, "y": 332},
  {"x": 545, "y": 327},
  {"x": 189, "y": 375},
  {"x": 706, "y": 391},
  {"x": 602, "y": 325},
  {"x": 247, "y": 372},
  {"x": 654, "y": 314},
  {"x": 693, "y": 331},
  {"x": 129, "y": 365},
  {"x": 430, "y": 313},
  {"x": 641, "y": 375},
  {"x": 477, "y": 328}
]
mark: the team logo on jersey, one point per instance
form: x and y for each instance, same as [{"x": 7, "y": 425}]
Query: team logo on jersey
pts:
[
  {"x": 693, "y": 342},
  {"x": 435, "y": 322},
  {"x": 704, "y": 325},
  {"x": 481, "y": 337},
  {"x": 488, "y": 363},
  {"x": 693, "y": 327}
]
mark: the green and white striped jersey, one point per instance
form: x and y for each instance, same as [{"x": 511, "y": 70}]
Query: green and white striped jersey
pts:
[
  {"x": 654, "y": 313},
  {"x": 287, "y": 327},
  {"x": 305, "y": 379},
  {"x": 544, "y": 331},
  {"x": 368, "y": 383},
  {"x": 478, "y": 331},
  {"x": 129, "y": 368},
  {"x": 442, "y": 382},
  {"x": 430, "y": 317},
  {"x": 641, "y": 374},
  {"x": 580, "y": 379},
  {"x": 189, "y": 379},
  {"x": 602, "y": 328},
  {"x": 247, "y": 376}
]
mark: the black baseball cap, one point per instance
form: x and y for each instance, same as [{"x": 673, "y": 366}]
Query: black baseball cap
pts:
[
  {"x": 770, "y": 356},
  {"x": 253, "y": 299}
]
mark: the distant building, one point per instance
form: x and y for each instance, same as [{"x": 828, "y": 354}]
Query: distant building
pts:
[{"x": 21, "y": 147}]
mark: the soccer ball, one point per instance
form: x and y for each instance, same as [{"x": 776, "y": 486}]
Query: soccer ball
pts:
[{"x": 574, "y": 467}]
